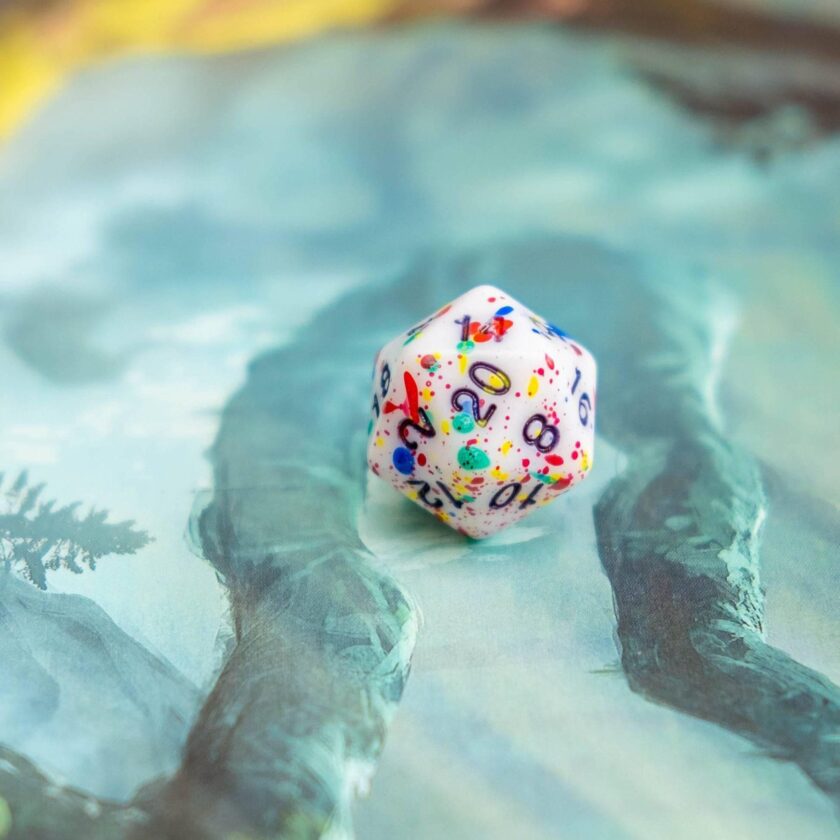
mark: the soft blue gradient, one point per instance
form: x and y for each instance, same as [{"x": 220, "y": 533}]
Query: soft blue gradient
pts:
[{"x": 206, "y": 209}]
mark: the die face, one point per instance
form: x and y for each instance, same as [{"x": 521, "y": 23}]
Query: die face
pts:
[{"x": 482, "y": 412}]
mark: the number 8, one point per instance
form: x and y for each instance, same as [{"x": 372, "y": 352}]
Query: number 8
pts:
[{"x": 548, "y": 437}]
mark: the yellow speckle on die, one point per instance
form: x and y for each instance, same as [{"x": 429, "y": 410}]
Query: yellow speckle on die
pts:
[
  {"x": 380, "y": 441},
  {"x": 462, "y": 362},
  {"x": 427, "y": 394},
  {"x": 533, "y": 386},
  {"x": 445, "y": 427},
  {"x": 460, "y": 484},
  {"x": 496, "y": 382},
  {"x": 585, "y": 463},
  {"x": 506, "y": 447},
  {"x": 497, "y": 473}
]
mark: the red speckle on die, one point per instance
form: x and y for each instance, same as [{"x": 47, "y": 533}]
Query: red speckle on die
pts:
[
  {"x": 554, "y": 460},
  {"x": 421, "y": 459},
  {"x": 411, "y": 403},
  {"x": 574, "y": 455},
  {"x": 526, "y": 462}
]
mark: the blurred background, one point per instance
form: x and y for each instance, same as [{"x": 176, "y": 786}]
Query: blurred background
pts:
[
  {"x": 774, "y": 60},
  {"x": 204, "y": 203}
]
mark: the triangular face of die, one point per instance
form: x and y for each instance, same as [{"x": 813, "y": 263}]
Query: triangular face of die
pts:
[{"x": 482, "y": 412}]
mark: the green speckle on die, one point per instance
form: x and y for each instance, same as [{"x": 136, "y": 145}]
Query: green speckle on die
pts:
[
  {"x": 463, "y": 422},
  {"x": 473, "y": 458}
]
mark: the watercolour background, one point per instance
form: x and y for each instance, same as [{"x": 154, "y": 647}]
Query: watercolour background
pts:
[{"x": 213, "y": 222}]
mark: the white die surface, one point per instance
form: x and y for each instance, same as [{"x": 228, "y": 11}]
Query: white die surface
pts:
[{"x": 482, "y": 412}]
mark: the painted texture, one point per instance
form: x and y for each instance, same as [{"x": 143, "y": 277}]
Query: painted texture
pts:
[
  {"x": 504, "y": 422},
  {"x": 42, "y": 44},
  {"x": 269, "y": 225},
  {"x": 40, "y": 48},
  {"x": 293, "y": 728}
]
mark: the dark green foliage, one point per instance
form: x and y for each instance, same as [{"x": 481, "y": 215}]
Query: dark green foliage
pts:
[{"x": 37, "y": 537}]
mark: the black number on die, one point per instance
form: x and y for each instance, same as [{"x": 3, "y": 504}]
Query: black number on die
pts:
[
  {"x": 584, "y": 409},
  {"x": 505, "y": 495},
  {"x": 548, "y": 436},
  {"x": 464, "y": 324},
  {"x": 424, "y": 428},
  {"x": 474, "y": 405},
  {"x": 463, "y": 395},
  {"x": 385, "y": 380},
  {"x": 490, "y": 387},
  {"x": 423, "y": 494}
]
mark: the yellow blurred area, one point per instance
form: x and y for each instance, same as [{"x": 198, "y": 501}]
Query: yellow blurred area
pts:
[{"x": 40, "y": 45}]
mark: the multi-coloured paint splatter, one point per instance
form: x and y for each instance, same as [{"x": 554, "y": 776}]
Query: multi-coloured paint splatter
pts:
[{"x": 482, "y": 412}]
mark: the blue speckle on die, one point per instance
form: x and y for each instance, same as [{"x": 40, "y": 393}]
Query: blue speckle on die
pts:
[
  {"x": 403, "y": 460},
  {"x": 504, "y": 310}
]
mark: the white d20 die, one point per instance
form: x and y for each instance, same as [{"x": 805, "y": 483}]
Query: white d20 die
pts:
[{"x": 483, "y": 412}]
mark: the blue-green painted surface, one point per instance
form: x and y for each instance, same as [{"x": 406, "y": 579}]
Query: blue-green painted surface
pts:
[{"x": 164, "y": 221}]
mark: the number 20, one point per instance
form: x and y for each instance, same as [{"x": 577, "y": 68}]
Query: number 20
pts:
[{"x": 496, "y": 383}]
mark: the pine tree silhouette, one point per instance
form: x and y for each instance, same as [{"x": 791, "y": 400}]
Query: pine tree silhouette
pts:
[{"x": 36, "y": 536}]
